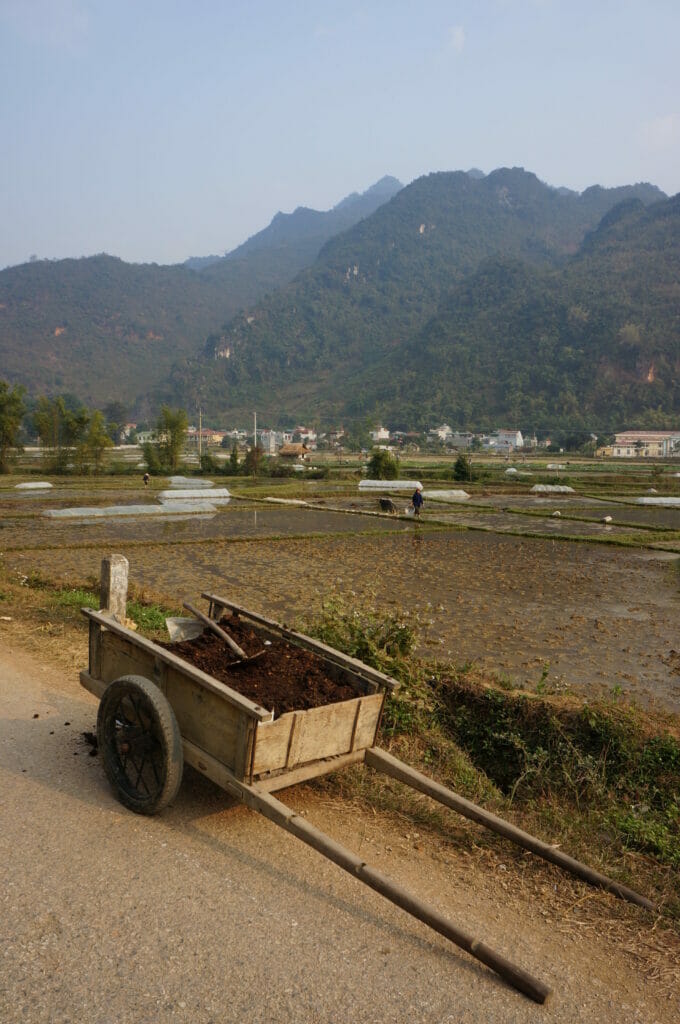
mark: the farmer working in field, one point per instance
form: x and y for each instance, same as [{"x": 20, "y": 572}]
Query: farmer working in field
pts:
[{"x": 417, "y": 499}]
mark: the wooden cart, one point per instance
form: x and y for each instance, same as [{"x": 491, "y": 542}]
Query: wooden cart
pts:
[{"x": 158, "y": 712}]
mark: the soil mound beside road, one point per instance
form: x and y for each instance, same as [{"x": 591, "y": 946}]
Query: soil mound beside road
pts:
[{"x": 284, "y": 678}]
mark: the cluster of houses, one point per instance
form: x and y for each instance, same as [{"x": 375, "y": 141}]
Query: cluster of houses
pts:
[
  {"x": 298, "y": 443},
  {"x": 501, "y": 442},
  {"x": 655, "y": 444}
]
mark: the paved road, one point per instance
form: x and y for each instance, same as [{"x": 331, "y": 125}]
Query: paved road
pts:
[{"x": 208, "y": 913}]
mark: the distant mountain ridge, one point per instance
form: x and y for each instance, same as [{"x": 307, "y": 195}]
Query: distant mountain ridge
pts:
[
  {"x": 345, "y": 337},
  {"x": 102, "y": 328},
  {"x": 292, "y": 241},
  {"x": 308, "y": 228}
]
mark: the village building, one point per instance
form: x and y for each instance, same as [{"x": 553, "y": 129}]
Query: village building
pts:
[
  {"x": 380, "y": 434},
  {"x": 443, "y": 433},
  {"x": 147, "y": 437},
  {"x": 503, "y": 441},
  {"x": 294, "y": 452},
  {"x": 204, "y": 438},
  {"x": 461, "y": 439},
  {"x": 650, "y": 444},
  {"x": 307, "y": 437},
  {"x": 267, "y": 441}
]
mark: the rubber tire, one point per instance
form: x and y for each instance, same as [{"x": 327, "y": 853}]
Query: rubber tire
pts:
[{"x": 165, "y": 733}]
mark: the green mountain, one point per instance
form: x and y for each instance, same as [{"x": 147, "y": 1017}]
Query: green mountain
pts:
[
  {"x": 448, "y": 301},
  {"x": 593, "y": 344},
  {"x": 291, "y": 242},
  {"x": 104, "y": 329}
]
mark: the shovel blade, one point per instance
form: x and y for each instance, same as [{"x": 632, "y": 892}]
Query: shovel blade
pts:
[{"x": 183, "y": 629}]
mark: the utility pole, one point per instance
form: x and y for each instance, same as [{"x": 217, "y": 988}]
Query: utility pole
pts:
[
  {"x": 255, "y": 430},
  {"x": 200, "y": 434}
]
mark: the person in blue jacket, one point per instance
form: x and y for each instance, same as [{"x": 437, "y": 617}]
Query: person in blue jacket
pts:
[{"x": 417, "y": 499}]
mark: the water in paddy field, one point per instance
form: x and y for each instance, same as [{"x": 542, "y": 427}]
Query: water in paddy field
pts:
[{"x": 595, "y": 616}]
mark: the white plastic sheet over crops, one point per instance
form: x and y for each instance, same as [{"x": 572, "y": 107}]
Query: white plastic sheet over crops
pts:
[
  {"x": 110, "y": 511},
  {"x": 665, "y": 502},
  {"x": 389, "y": 485},
  {"x": 189, "y": 482},
  {"x": 215, "y": 494}
]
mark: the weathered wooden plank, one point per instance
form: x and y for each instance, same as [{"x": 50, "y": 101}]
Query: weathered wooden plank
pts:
[
  {"x": 95, "y": 649},
  {"x": 272, "y": 740},
  {"x": 392, "y": 766},
  {"x": 119, "y": 657},
  {"x": 245, "y": 737},
  {"x": 95, "y": 685},
  {"x": 305, "y": 772},
  {"x": 210, "y": 722},
  {"x": 327, "y": 730},
  {"x": 293, "y": 754},
  {"x": 368, "y": 721},
  {"x": 301, "y": 736},
  {"x": 190, "y": 671},
  {"x": 277, "y": 812},
  {"x": 365, "y": 671}
]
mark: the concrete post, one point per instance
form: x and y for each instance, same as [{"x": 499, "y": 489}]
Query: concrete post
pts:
[{"x": 114, "y": 586}]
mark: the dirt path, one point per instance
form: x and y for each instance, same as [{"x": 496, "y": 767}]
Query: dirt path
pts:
[{"x": 210, "y": 914}]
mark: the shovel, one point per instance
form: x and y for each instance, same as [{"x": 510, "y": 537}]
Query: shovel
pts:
[{"x": 211, "y": 624}]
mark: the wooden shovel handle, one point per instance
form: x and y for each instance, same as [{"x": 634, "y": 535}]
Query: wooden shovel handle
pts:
[{"x": 211, "y": 624}]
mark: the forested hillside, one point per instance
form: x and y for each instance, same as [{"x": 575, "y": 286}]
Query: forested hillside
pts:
[
  {"x": 594, "y": 344},
  {"x": 104, "y": 329},
  {"x": 469, "y": 299}
]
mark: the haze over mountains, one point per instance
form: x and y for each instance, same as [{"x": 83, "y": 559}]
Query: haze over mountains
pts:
[{"x": 463, "y": 297}]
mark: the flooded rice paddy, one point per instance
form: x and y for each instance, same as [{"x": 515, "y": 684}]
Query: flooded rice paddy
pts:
[{"x": 538, "y": 609}]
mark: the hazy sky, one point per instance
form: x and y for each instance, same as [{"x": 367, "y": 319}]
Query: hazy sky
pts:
[{"x": 155, "y": 130}]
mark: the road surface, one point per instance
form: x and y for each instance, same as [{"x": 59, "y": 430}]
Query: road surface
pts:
[{"x": 209, "y": 913}]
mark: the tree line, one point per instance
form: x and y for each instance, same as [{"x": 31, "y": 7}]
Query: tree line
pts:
[{"x": 75, "y": 438}]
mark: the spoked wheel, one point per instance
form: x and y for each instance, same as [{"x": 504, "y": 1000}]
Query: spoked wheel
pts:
[{"x": 140, "y": 744}]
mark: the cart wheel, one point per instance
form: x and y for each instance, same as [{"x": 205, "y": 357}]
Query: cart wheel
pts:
[{"x": 140, "y": 744}]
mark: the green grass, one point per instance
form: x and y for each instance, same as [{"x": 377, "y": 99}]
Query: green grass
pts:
[
  {"x": 148, "y": 616},
  {"x": 76, "y": 597}
]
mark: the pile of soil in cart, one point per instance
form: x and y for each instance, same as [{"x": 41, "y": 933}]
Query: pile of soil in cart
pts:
[{"x": 284, "y": 678}]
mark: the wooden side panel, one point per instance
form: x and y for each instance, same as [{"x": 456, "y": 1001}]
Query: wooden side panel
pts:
[
  {"x": 208, "y": 721},
  {"x": 304, "y": 736},
  {"x": 272, "y": 740},
  {"x": 204, "y": 718},
  {"x": 327, "y": 731},
  {"x": 367, "y": 723},
  {"x": 120, "y": 657}
]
